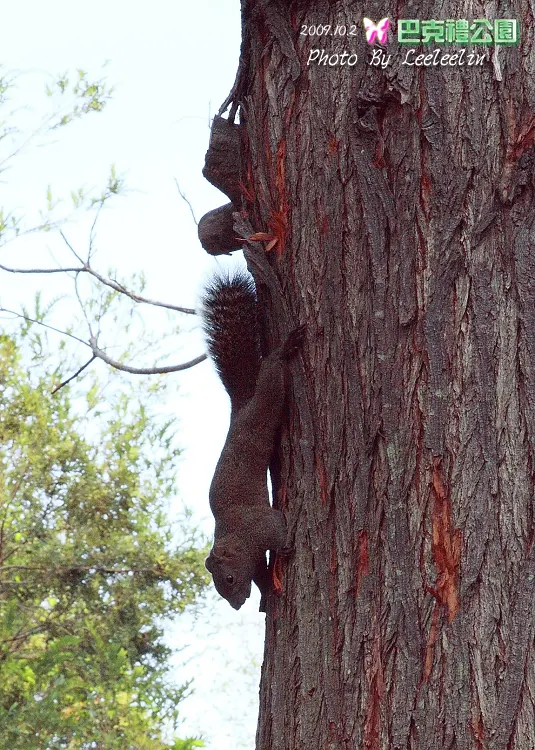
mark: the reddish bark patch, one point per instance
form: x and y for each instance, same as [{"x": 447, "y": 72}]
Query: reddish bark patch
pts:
[
  {"x": 478, "y": 729},
  {"x": 378, "y": 158},
  {"x": 363, "y": 566},
  {"x": 446, "y": 545},
  {"x": 526, "y": 137},
  {"x": 283, "y": 497},
  {"x": 334, "y": 145},
  {"x": 372, "y": 727},
  {"x": 247, "y": 190},
  {"x": 277, "y": 575},
  {"x": 278, "y": 221}
]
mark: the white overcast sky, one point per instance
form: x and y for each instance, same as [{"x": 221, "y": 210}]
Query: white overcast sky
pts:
[{"x": 171, "y": 63}]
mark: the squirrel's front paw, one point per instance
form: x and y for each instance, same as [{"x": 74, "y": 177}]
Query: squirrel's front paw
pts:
[
  {"x": 285, "y": 552},
  {"x": 293, "y": 343}
]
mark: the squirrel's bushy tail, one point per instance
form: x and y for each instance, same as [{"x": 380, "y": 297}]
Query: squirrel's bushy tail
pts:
[{"x": 230, "y": 318}]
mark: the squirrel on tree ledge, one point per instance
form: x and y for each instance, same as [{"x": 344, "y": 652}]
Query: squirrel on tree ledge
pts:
[{"x": 246, "y": 525}]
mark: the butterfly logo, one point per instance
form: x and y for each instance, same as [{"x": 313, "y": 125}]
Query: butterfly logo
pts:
[{"x": 376, "y": 32}]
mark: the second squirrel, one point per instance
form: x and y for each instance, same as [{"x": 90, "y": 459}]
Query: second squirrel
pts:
[{"x": 246, "y": 525}]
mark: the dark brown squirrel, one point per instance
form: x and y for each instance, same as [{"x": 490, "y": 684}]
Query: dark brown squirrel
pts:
[{"x": 246, "y": 525}]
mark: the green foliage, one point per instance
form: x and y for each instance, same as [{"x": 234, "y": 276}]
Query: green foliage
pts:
[
  {"x": 88, "y": 567},
  {"x": 68, "y": 98},
  {"x": 187, "y": 744},
  {"x": 90, "y": 96}
]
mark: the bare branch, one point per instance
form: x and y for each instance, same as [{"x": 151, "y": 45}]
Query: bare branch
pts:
[
  {"x": 141, "y": 370},
  {"x": 72, "y": 377},
  {"x": 40, "y": 270},
  {"x": 100, "y": 354},
  {"x": 136, "y": 297},
  {"x": 24, "y": 635},
  {"x": 85, "y": 268}
]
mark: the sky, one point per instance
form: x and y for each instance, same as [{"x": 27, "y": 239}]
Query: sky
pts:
[{"x": 171, "y": 65}]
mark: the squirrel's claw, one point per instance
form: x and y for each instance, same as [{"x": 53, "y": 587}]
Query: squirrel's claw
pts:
[{"x": 294, "y": 342}]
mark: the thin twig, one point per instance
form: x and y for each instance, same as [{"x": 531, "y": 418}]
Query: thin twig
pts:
[
  {"x": 92, "y": 232},
  {"x": 81, "y": 369},
  {"x": 186, "y": 200},
  {"x": 71, "y": 248},
  {"x": 45, "y": 325},
  {"x": 32, "y": 135},
  {"x": 84, "y": 312}
]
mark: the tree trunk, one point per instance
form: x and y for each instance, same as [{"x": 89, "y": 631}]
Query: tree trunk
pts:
[{"x": 398, "y": 206}]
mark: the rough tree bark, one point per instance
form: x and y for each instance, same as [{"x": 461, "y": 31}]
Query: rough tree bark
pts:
[{"x": 398, "y": 205}]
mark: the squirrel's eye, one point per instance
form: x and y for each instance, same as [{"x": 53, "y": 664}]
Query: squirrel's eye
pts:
[{"x": 230, "y": 579}]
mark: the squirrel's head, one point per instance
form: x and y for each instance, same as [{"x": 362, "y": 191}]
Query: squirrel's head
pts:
[{"x": 232, "y": 572}]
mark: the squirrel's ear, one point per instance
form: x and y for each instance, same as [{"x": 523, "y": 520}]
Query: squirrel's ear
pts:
[
  {"x": 209, "y": 563},
  {"x": 218, "y": 554},
  {"x": 221, "y": 553},
  {"x": 216, "y": 557}
]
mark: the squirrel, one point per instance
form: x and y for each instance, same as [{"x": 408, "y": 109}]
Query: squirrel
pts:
[{"x": 246, "y": 525}]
